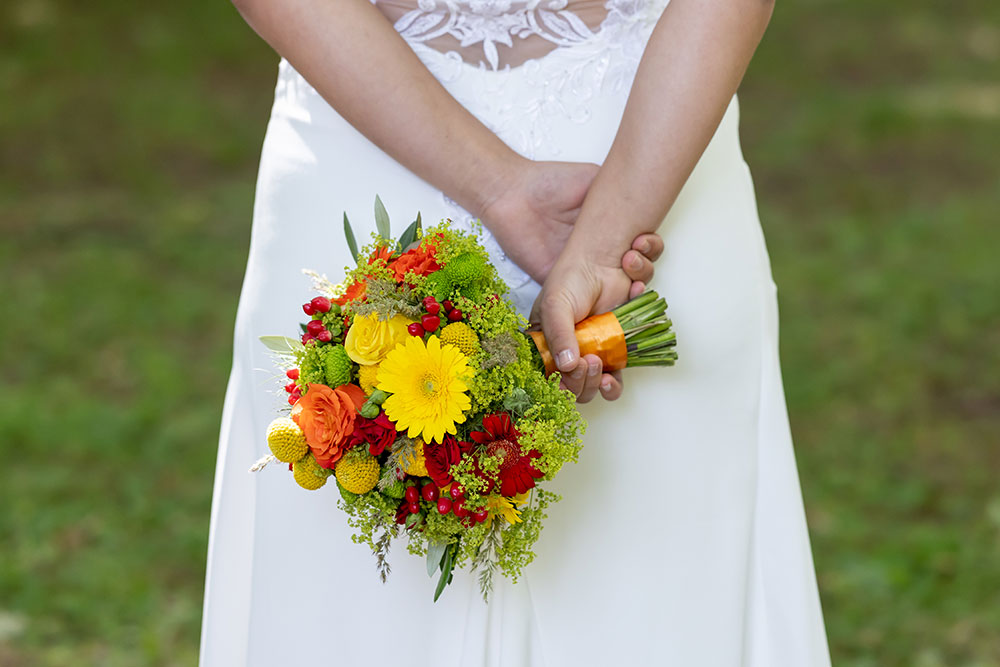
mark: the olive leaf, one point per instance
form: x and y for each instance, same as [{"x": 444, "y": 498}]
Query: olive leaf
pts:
[
  {"x": 435, "y": 556},
  {"x": 381, "y": 219},
  {"x": 352, "y": 244},
  {"x": 449, "y": 562},
  {"x": 410, "y": 235},
  {"x": 282, "y": 345}
]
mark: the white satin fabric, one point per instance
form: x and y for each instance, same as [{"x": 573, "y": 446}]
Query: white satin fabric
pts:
[{"x": 681, "y": 539}]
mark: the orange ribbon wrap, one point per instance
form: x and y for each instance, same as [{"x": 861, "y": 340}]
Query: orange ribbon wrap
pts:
[{"x": 600, "y": 334}]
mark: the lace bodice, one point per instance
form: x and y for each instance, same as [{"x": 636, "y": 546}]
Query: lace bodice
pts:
[{"x": 506, "y": 33}]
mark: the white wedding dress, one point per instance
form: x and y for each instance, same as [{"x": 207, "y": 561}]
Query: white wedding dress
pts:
[{"x": 681, "y": 538}]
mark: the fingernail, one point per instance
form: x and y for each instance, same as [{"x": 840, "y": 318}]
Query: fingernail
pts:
[
  {"x": 605, "y": 386},
  {"x": 592, "y": 370},
  {"x": 636, "y": 263},
  {"x": 645, "y": 247},
  {"x": 565, "y": 359},
  {"x": 577, "y": 374}
]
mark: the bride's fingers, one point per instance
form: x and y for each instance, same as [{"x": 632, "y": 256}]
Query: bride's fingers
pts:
[
  {"x": 592, "y": 381},
  {"x": 612, "y": 385},
  {"x": 575, "y": 379},
  {"x": 535, "y": 318},
  {"x": 650, "y": 245},
  {"x": 637, "y": 266}
]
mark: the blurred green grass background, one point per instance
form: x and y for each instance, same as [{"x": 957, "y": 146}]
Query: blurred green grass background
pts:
[{"x": 129, "y": 136}]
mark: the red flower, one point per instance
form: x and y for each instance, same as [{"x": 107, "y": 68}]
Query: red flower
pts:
[
  {"x": 517, "y": 472},
  {"x": 421, "y": 261},
  {"x": 440, "y": 457},
  {"x": 377, "y": 433}
]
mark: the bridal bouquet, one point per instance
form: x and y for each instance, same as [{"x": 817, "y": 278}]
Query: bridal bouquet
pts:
[{"x": 415, "y": 390}]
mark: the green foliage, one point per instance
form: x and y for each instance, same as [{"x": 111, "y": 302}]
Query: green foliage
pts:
[
  {"x": 352, "y": 243},
  {"x": 382, "y": 220},
  {"x": 501, "y": 350},
  {"x": 519, "y": 538},
  {"x": 395, "y": 489},
  {"x": 385, "y": 299}
]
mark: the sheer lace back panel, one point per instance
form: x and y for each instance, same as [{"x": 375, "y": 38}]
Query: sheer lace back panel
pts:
[{"x": 501, "y": 33}]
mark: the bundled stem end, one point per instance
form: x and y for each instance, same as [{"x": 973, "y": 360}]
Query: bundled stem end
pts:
[
  {"x": 637, "y": 333},
  {"x": 649, "y": 338}
]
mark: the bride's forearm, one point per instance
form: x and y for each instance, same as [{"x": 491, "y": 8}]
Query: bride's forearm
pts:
[
  {"x": 692, "y": 66},
  {"x": 354, "y": 58}
]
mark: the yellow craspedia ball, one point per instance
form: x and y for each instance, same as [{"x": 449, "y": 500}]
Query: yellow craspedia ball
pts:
[
  {"x": 417, "y": 466},
  {"x": 357, "y": 474},
  {"x": 309, "y": 474},
  {"x": 368, "y": 378},
  {"x": 461, "y": 336},
  {"x": 286, "y": 440}
]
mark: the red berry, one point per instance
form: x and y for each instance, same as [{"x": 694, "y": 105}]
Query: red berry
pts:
[
  {"x": 324, "y": 336},
  {"x": 291, "y": 387},
  {"x": 447, "y": 305},
  {"x": 457, "y": 492},
  {"x": 429, "y": 301},
  {"x": 430, "y": 492},
  {"x": 455, "y": 315},
  {"x": 414, "y": 508},
  {"x": 481, "y": 515},
  {"x": 416, "y": 329},
  {"x": 434, "y": 309},
  {"x": 308, "y": 308},
  {"x": 314, "y": 327},
  {"x": 430, "y": 322},
  {"x": 444, "y": 505},
  {"x": 468, "y": 521},
  {"x": 293, "y": 374},
  {"x": 412, "y": 495},
  {"x": 321, "y": 304},
  {"x": 293, "y": 398},
  {"x": 459, "y": 508},
  {"x": 306, "y": 337}
]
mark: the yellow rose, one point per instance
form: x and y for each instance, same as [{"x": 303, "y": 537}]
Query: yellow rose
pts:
[{"x": 370, "y": 339}]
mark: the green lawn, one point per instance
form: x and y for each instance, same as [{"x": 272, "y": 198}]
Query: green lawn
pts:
[{"x": 129, "y": 135}]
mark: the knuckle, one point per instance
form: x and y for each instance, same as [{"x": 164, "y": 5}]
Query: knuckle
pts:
[{"x": 553, "y": 301}]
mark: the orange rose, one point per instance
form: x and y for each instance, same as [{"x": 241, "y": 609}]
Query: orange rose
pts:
[
  {"x": 420, "y": 260},
  {"x": 326, "y": 417}
]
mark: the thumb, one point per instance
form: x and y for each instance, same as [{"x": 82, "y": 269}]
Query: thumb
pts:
[{"x": 559, "y": 317}]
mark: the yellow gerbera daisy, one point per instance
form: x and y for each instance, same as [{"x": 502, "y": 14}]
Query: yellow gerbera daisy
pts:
[
  {"x": 503, "y": 507},
  {"x": 427, "y": 386}
]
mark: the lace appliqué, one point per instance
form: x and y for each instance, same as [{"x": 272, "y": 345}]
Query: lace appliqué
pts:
[{"x": 492, "y": 22}]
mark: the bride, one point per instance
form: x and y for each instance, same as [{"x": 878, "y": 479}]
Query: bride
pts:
[{"x": 681, "y": 539}]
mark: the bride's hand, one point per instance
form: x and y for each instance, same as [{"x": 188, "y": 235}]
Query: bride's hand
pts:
[
  {"x": 532, "y": 215},
  {"x": 585, "y": 280}
]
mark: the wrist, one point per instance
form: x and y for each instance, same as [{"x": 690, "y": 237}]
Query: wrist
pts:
[
  {"x": 601, "y": 241},
  {"x": 489, "y": 182}
]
